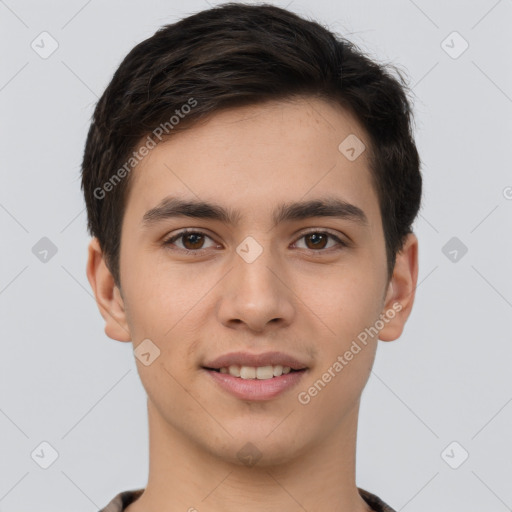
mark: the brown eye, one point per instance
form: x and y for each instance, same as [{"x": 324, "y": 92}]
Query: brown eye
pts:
[
  {"x": 191, "y": 241},
  {"x": 318, "y": 240}
]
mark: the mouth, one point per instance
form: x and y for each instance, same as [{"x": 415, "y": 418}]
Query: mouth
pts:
[
  {"x": 255, "y": 384},
  {"x": 255, "y": 372},
  {"x": 255, "y": 377}
]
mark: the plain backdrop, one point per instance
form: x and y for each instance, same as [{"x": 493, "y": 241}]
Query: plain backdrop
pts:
[{"x": 436, "y": 415}]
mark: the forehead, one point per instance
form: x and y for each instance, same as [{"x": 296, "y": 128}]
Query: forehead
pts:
[{"x": 249, "y": 157}]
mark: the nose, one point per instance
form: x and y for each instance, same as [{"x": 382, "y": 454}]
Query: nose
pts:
[{"x": 255, "y": 295}]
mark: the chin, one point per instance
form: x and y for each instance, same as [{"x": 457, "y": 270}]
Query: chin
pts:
[{"x": 261, "y": 450}]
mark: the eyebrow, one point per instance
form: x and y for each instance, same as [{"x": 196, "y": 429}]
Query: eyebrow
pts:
[{"x": 172, "y": 207}]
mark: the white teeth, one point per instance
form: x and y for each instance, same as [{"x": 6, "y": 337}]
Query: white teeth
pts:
[
  {"x": 234, "y": 370},
  {"x": 278, "y": 370},
  {"x": 248, "y": 372},
  {"x": 260, "y": 372},
  {"x": 264, "y": 372}
]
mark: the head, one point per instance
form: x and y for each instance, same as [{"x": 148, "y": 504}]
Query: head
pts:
[{"x": 249, "y": 110}]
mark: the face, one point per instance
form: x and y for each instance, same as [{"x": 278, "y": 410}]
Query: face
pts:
[{"x": 285, "y": 261}]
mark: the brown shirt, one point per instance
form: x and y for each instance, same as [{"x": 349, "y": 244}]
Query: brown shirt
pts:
[{"x": 123, "y": 499}]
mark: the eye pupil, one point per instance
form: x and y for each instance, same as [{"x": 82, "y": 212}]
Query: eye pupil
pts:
[
  {"x": 197, "y": 239},
  {"x": 319, "y": 237},
  {"x": 194, "y": 240}
]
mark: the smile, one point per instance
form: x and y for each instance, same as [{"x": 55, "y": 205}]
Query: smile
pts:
[
  {"x": 255, "y": 372},
  {"x": 254, "y": 388}
]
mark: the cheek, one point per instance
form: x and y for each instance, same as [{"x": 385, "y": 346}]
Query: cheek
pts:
[
  {"x": 160, "y": 295},
  {"x": 345, "y": 300},
  {"x": 347, "y": 347},
  {"x": 333, "y": 391},
  {"x": 162, "y": 304}
]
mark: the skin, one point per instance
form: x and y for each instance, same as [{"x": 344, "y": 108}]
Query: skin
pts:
[{"x": 310, "y": 301}]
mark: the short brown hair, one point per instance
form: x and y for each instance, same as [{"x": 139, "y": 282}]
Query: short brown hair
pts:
[{"x": 237, "y": 55}]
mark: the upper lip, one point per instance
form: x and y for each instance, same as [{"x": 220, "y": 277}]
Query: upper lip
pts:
[{"x": 255, "y": 360}]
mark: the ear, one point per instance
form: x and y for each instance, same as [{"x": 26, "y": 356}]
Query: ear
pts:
[
  {"x": 401, "y": 290},
  {"x": 108, "y": 295}
]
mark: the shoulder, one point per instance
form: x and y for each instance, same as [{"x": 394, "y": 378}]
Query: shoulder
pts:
[
  {"x": 374, "y": 501},
  {"x": 122, "y": 500}
]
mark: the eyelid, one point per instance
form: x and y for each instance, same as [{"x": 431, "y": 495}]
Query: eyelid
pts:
[
  {"x": 169, "y": 240},
  {"x": 340, "y": 241},
  {"x": 326, "y": 231}
]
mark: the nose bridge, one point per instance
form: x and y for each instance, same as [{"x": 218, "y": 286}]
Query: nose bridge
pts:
[
  {"x": 252, "y": 270},
  {"x": 252, "y": 293}
]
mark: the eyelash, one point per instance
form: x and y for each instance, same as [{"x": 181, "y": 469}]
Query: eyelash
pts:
[{"x": 169, "y": 241}]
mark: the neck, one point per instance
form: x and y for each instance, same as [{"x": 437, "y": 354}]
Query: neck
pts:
[{"x": 185, "y": 477}]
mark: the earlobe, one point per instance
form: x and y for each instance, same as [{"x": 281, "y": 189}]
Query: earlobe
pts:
[
  {"x": 107, "y": 294},
  {"x": 401, "y": 290}
]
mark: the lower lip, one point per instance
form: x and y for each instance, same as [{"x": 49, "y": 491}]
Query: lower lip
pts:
[{"x": 255, "y": 389}]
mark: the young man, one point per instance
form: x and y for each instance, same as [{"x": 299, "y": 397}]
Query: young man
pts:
[{"x": 251, "y": 181}]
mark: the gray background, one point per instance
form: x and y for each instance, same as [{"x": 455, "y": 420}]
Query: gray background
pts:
[{"x": 447, "y": 379}]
